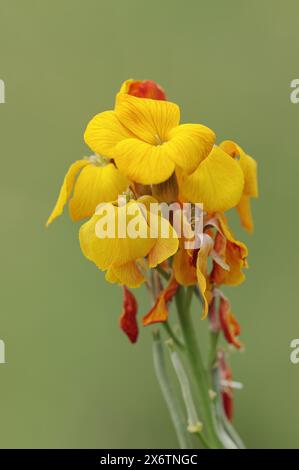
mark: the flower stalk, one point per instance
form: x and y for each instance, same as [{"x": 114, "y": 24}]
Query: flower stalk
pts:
[
  {"x": 155, "y": 193},
  {"x": 174, "y": 406},
  {"x": 183, "y": 302}
]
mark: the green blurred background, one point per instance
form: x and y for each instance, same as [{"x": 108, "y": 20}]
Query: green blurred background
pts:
[{"x": 72, "y": 379}]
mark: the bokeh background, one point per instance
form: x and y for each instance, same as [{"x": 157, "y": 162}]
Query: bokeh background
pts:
[{"x": 72, "y": 379}]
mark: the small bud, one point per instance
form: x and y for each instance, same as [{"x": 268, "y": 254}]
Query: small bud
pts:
[{"x": 146, "y": 89}]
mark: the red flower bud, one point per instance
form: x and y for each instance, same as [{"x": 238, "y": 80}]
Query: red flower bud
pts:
[
  {"x": 146, "y": 89},
  {"x": 127, "y": 320}
]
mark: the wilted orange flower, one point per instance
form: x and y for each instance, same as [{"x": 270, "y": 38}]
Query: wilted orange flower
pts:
[
  {"x": 232, "y": 252},
  {"x": 226, "y": 390},
  {"x": 230, "y": 326},
  {"x": 159, "y": 312}
]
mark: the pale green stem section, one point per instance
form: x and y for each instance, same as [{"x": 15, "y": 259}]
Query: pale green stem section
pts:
[
  {"x": 193, "y": 421},
  {"x": 175, "y": 409},
  {"x": 194, "y": 356},
  {"x": 194, "y": 425}
]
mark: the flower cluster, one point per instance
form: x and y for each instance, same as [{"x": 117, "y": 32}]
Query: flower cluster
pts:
[{"x": 142, "y": 152}]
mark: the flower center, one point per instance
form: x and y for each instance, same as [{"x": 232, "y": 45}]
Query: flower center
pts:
[
  {"x": 98, "y": 160},
  {"x": 158, "y": 140}
]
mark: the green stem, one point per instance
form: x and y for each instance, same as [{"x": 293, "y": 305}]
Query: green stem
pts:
[
  {"x": 214, "y": 337},
  {"x": 193, "y": 353},
  {"x": 176, "y": 413},
  {"x": 232, "y": 432},
  {"x": 163, "y": 273},
  {"x": 172, "y": 335}
]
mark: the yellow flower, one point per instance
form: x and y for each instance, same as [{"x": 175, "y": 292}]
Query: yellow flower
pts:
[
  {"x": 119, "y": 253},
  {"x": 217, "y": 182},
  {"x": 249, "y": 168},
  {"x": 144, "y": 138},
  {"x": 91, "y": 182}
]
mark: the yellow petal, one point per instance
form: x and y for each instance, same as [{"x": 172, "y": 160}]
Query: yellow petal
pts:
[
  {"x": 142, "y": 162},
  {"x": 189, "y": 144},
  {"x": 127, "y": 274},
  {"x": 149, "y": 120},
  {"x": 66, "y": 188},
  {"x": 162, "y": 250},
  {"x": 183, "y": 270},
  {"x": 249, "y": 168},
  {"x": 114, "y": 251},
  {"x": 217, "y": 182},
  {"x": 244, "y": 211},
  {"x": 166, "y": 241},
  {"x": 247, "y": 163},
  {"x": 125, "y": 86},
  {"x": 104, "y": 132},
  {"x": 111, "y": 276},
  {"x": 201, "y": 271},
  {"x": 96, "y": 184}
]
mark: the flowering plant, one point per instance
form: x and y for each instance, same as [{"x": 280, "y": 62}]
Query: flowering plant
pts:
[{"x": 156, "y": 192}]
